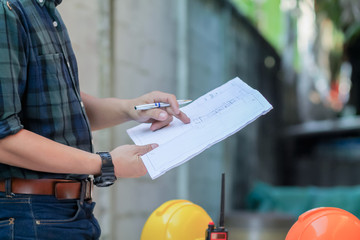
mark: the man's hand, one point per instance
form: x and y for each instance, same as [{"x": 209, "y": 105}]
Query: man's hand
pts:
[
  {"x": 159, "y": 117},
  {"x": 127, "y": 160}
]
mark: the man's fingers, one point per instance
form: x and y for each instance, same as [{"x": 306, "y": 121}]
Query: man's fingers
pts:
[
  {"x": 162, "y": 115},
  {"x": 146, "y": 148},
  {"x": 183, "y": 117},
  {"x": 168, "y": 98},
  {"x": 141, "y": 171},
  {"x": 157, "y": 114},
  {"x": 157, "y": 125}
]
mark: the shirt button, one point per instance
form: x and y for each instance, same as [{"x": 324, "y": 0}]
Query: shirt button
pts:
[{"x": 54, "y": 22}]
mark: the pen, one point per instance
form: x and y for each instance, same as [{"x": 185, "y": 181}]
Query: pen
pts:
[{"x": 159, "y": 105}]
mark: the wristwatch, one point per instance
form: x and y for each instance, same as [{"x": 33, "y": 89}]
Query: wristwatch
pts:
[{"x": 107, "y": 177}]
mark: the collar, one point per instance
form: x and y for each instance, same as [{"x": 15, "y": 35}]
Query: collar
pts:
[
  {"x": 42, "y": 2},
  {"x": 57, "y": 2}
]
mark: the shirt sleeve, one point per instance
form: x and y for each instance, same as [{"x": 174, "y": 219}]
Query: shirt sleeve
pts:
[{"x": 13, "y": 65}]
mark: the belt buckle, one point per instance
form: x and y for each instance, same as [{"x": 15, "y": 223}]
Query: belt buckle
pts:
[{"x": 86, "y": 190}]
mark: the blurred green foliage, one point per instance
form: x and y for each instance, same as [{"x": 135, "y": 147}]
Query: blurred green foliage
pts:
[
  {"x": 267, "y": 18},
  {"x": 333, "y": 10}
]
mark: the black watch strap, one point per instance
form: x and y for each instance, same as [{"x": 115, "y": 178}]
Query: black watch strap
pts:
[{"x": 107, "y": 176}]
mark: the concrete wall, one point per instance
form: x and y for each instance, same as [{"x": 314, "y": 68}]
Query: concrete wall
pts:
[
  {"x": 137, "y": 48},
  {"x": 129, "y": 47},
  {"x": 82, "y": 19}
]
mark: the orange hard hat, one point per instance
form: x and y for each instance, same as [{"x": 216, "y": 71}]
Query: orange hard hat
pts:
[{"x": 325, "y": 223}]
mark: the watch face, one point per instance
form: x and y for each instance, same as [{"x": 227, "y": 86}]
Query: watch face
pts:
[
  {"x": 108, "y": 183},
  {"x": 104, "y": 182},
  {"x": 107, "y": 176}
]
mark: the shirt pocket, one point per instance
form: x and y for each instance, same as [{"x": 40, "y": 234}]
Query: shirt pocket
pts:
[{"x": 55, "y": 83}]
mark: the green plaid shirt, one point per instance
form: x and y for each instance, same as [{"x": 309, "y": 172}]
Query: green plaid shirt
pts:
[{"x": 39, "y": 89}]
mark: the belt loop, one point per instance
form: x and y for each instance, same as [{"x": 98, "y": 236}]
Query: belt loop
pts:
[
  {"x": 8, "y": 191},
  {"x": 82, "y": 191}
]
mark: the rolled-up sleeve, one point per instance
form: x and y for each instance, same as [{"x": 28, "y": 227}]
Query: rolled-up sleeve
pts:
[{"x": 13, "y": 70}]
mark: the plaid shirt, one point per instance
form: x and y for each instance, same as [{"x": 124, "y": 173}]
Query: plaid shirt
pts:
[{"x": 39, "y": 89}]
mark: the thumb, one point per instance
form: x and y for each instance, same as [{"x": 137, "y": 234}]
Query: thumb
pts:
[
  {"x": 158, "y": 114},
  {"x": 146, "y": 148}
]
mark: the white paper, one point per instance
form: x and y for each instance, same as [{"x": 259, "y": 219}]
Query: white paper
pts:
[{"x": 214, "y": 116}]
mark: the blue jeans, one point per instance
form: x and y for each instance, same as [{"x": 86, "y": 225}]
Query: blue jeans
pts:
[{"x": 39, "y": 217}]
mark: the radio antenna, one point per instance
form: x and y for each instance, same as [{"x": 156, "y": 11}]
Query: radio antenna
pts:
[{"x": 222, "y": 200}]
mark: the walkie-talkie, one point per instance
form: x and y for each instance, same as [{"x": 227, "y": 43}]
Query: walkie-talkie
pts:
[{"x": 216, "y": 233}]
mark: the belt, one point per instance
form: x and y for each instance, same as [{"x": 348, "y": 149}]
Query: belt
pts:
[{"x": 60, "y": 188}]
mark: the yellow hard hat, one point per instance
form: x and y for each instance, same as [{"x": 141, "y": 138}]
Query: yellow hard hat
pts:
[
  {"x": 176, "y": 220},
  {"x": 326, "y": 223}
]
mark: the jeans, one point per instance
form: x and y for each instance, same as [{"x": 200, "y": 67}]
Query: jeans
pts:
[{"x": 40, "y": 217}]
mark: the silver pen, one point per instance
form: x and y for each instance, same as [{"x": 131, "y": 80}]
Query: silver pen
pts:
[{"x": 159, "y": 105}]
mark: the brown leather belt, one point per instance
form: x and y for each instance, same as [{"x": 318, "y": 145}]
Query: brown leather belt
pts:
[{"x": 61, "y": 189}]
